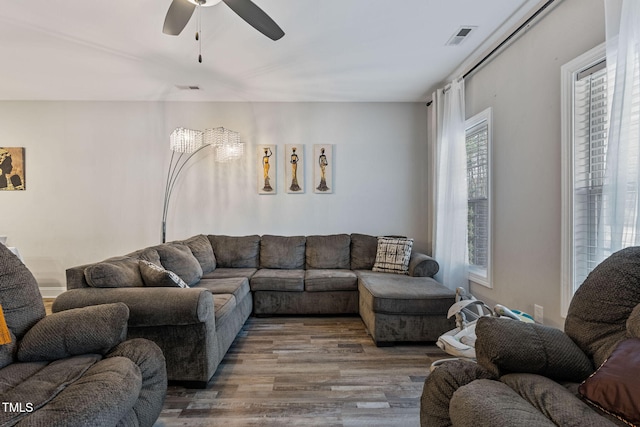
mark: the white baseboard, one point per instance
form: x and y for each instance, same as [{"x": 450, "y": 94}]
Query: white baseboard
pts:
[{"x": 51, "y": 292}]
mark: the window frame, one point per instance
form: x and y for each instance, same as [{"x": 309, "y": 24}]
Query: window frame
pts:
[
  {"x": 478, "y": 275},
  {"x": 569, "y": 73}
]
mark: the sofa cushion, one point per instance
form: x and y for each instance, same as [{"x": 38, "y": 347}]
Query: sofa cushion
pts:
[
  {"x": 282, "y": 252},
  {"x": 393, "y": 255},
  {"x": 331, "y": 251},
  {"x": 398, "y": 294},
  {"x": 226, "y": 273},
  {"x": 179, "y": 259},
  {"x": 236, "y": 252},
  {"x": 117, "y": 272},
  {"x": 223, "y": 306},
  {"x": 278, "y": 280},
  {"x": 614, "y": 387},
  {"x": 237, "y": 286},
  {"x": 330, "y": 280},
  {"x": 556, "y": 401},
  {"x": 202, "y": 250},
  {"x": 363, "y": 251},
  {"x": 486, "y": 402},
  {"x": 103, "y": 395},
  {"x": 40, "y": 383},
  {"x": 156, "y": 276}
]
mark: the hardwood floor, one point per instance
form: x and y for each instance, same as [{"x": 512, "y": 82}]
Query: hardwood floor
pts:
[
  {"x": 307, "y": 371},
  {"x": 48, "y": 302}
]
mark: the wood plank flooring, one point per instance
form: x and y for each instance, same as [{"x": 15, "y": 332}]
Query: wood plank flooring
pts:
[{"x": 307, "y": 371}]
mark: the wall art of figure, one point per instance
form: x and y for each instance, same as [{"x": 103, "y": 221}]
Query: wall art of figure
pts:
[
  {"x": 267, "y": 166},
  {"x": 323, "y": 170},
  {"x": 12, "y": 168},
  {"x": 294, "y": 175}
]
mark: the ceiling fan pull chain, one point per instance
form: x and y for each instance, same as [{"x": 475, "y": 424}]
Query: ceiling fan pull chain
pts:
[{"x": 199, "y": 34}]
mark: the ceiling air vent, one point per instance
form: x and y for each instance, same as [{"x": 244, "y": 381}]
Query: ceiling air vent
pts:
[
  {"x": 188, "y": 87},
  {"x": 461, "y": 35}
]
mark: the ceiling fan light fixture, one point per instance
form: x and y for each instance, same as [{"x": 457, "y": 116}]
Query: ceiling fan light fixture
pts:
[
  {"x": 180, "y": 11},
  {"x": 204, "y": 3}
]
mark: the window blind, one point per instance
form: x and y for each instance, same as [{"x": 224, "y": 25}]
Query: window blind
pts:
[
  {"x": 589, "y": 159},
  {"x": 477, "y": 144}
]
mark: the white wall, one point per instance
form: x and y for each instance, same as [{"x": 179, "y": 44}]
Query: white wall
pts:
[
  {"x": 522, "y": 85},
  {"x": 95, "y": 176}
]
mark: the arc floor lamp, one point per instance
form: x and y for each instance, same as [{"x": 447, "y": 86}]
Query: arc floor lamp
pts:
[{"x": 186, "y": 143}]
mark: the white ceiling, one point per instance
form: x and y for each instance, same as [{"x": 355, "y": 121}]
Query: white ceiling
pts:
[{"x": 333, "y": 50}]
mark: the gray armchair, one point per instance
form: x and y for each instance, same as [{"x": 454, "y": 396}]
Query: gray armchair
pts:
[
  {"x": 72, "y": 368},
  {"x": 529, "y": 374}
]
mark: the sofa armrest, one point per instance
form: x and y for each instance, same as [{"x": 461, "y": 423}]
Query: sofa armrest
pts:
[
  {"x": 508, "y": 346},
  {"x": 440, "y": 386},
  {"x": 86, "y": 330},
  {"x": 75, "y": 277},
  {"x": 421, "y": 265},
  {"x": 151, "y": 362},
  {"x": 147, "y": 306}
]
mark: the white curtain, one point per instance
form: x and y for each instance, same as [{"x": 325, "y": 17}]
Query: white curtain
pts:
[
  {"x": 619, "y": 225},
  {"x": 450, "y": 230}
]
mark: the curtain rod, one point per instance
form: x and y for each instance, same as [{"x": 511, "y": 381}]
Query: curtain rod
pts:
[
  {"x": 506, "y": 40},
  {"x": 511, "y": 36}
]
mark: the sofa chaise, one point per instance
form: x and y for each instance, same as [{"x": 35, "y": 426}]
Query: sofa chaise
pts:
[
  {"x": 226, "y": 278},
  {"x": 532, "y": 375},
  {"x": 73, "y": 368}
]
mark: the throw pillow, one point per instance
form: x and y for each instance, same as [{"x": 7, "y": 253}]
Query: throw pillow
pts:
[
  {"x": 614, "y": 387},
  {"x": 179, "y": 259},
  {"x": 5, "y": 333},
  {"x": 156, "y": 276},
  {"x": 393, "y": 254}
]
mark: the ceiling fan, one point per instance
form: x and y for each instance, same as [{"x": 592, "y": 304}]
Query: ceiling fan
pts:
[{"x": 181, "y": 11}]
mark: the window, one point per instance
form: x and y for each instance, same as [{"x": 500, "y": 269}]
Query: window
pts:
[
  {"x": 586, "y": 237},
  {"x": 478, "y": 141},
  {"x": 584, "y": 109},
  {"x": 589, "y": 151}
]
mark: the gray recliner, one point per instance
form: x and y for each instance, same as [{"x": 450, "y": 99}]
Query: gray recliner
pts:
[
  {"x": 529, "y": 374},
  {"x": 72, "y": 368}
]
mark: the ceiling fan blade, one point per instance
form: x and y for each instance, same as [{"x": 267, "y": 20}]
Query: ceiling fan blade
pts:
[
  {"x": 177, "y": 17},
  {"x": 255, "y": 17}
]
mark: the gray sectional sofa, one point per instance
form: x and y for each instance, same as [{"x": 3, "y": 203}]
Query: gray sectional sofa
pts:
[{"x": 229, "y": 277}]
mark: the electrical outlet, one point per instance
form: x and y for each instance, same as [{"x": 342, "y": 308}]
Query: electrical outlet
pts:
[{"x": 538, "y": 313}]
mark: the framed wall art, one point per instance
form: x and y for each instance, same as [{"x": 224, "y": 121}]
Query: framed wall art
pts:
[
  {"x": 294, "y": 168},
  {"x": 266, "y": 165},
  {"x": 323, "y": 168},
  {"x": 12, "y": 175}
]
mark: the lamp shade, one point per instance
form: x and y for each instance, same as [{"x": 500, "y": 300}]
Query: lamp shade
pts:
[
  {"x": 226, "y": 143},
  {"x": 183, "y": 140}
]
